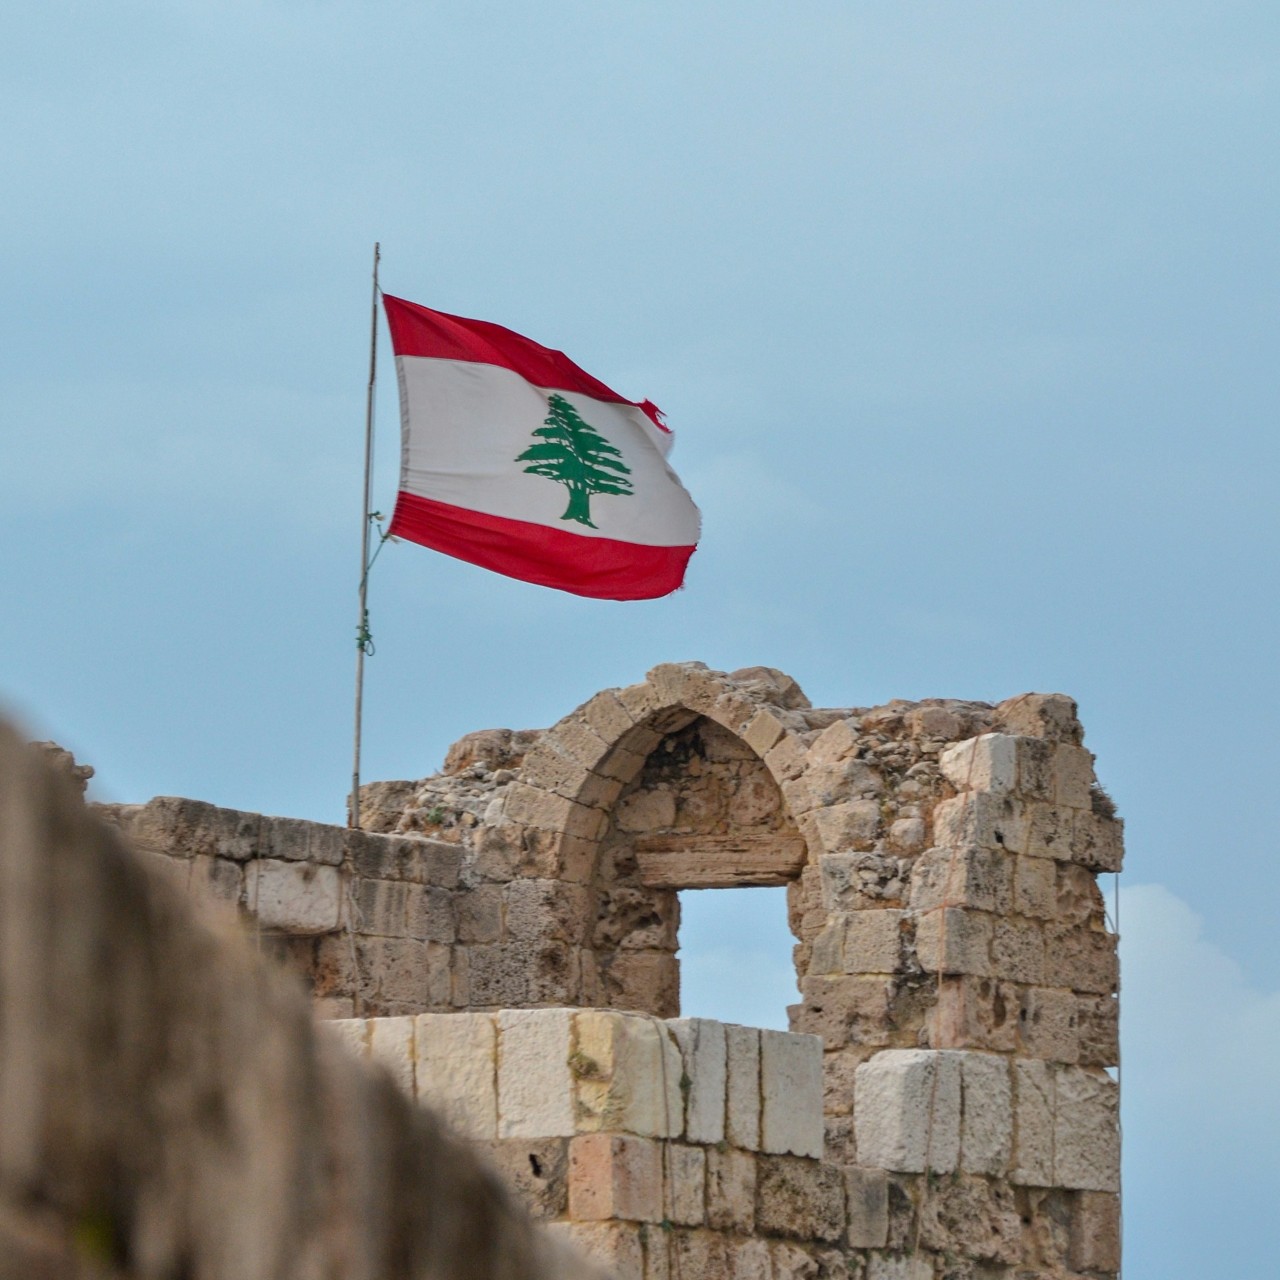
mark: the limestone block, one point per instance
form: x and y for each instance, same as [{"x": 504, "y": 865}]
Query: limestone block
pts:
[
  {"x": 884, "y": 1266},
  {"x": 953, "y": 940},
  {"x": 873, "y": 941},
  {"x": 986, "y": 1137},
  {"x": 378, "y": 907},
  {"x": 851, "y": 825},
  {"x": 457, "y": 1069},
  {"x": 962, "y": 877},
  {"x": 1098, "y": 1021},
  {"x": 615, "y": 1175},
  {"x": 750, "y": 1260},
  {"x": 974, "y": 1013},
  {"x": 352, "y": 1032},
  {"x": 293, "y": 896},
  {"x": 649, "y": 809},
  {"x": 763, "y": 731},
  {"x": 1098, "y": 842},
  {"x": 627, "y": 1072},
  {"x": 803, "y": 1199},
  {"x": 1017, "y": 950},
  {"x": 867, "y": 1195},
  {"x": 742, "y": 1104},
  {"x": 988, "y": 763},
  {"x": 1086, "y": 1135},
  {"x": 791, "y": 1094},
  {"x": 535, "y": 1088},
  {"x": 1049, "y": 1024},
  {"x": 1072, "y": 773},
  {"x": 538, "y": 910},
  {"x": 731, "y": 1189},
  {"x": 908, "y": 834},
  {"x": 1033, "y": 1107},
  {"x": 907, "y": 1110},
  {"x": 1041, "y": 715},
  {"x": 786, "y": 758},
  {"x": 857, "y": 1009},
  {"x": 429, "y": 914},
  {"x": 1095, "y": 1232},
  {"x": 616, "y": 1246},
  {"x": 686, "y": 1181},
  {"x": 391, "y": 1045},
  {"x": 827, "y": 956},
  {"x": 536, "y": 1169},
  {"x": 842, "y": 780},
  {"x": 706, "y": 1068},
  {"x": 983, "y": 819},
  {"x": 479, "y": 914},
  {"x": 1051, "y": 832},
  {"x": 1082, "y": 959},
  {"x": 574, "y": 737},
  {"x": 607, "y": 716},
  {"x": 835, "y": 742},
  {"x": 216, "y": 880},
  {"x": 1035, "y": 891},
  {"x": 695, "y": 1253}
]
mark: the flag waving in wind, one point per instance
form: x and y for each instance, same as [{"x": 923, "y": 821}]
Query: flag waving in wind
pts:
[{"x": 515, "y": 459}]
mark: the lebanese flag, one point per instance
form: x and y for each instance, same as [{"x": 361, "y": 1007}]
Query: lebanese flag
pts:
[{"x": 515, "y": 459}]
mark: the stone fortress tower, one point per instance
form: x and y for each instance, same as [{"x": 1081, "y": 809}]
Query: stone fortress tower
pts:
[{"x": 503, "y": 937}]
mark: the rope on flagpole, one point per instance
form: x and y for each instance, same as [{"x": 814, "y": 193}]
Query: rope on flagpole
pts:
[{"x": 364, "y": 640}]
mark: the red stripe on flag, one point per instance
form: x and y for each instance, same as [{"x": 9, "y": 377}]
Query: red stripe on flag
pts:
[
  {"x": 420, "y": 331},
  {"x": 602, "y": 568}
]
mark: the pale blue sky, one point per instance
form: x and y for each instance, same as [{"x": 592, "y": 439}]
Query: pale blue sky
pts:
[{"x": 964, "y": 315}]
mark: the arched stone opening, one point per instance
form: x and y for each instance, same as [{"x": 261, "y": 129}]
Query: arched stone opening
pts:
[{"x": 701, "y": 812}]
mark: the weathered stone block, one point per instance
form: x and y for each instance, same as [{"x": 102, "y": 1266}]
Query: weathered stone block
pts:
[
  {"x": 907, "y": 1110},
  {"x": 873, "y": 941},
  {"x": 731, "y": 1189},
  {"x": 1082, "y": 959},
  {"x": 535, "y": 1088},
  {"x": 845, "y": 1010},
  {"x": 867, "y": 1193},
  {"x": 547, "y": 910},
  {"x": 535, "y": 1169},
  {"x": 616, "y": 1246},
  {"x": 974, "y": 1013},
  {"x": 980, "y": 818},
  {"x": 1095, "y": 1232},
  {"x": 390, "y": 1043},
  {"x": 706, "y": 1069},
  {"x": 884, "y": 1266},
  {"x": 763, "y": 731},
  {"x": 1072, "y": 772},
  {"x": 429, "y": 914},
  {"x": 1098, "y": 842},
  {"x": 803, "y": 1199},
  {"x": 852, "y": 825},
  {"x": 742, "y": 1110},
  {"x": 1017, "y": 950},
  {"x": 1035, "y": 888},
  {"x": 1098, "y": 1022},
  {"x": 627, "y": 1073},
  {"x": 953, "y": 940},
  {"x": 978, "y": 878},
  {"x": 791, "y": 1093},
  {"x": 457, "y": 1069},
  {"x": 294, "y": 896},
  {"x": 986, "y": 1136},
  {"x": 1048, "y": 1024},
  {"x": 988, "y": 763},
  {"x": 686, "y": 1181},
  {"x": 1051, "y": 831},
  {"x": 479, "y": 914},
  {"x": 216, "y": 880},
  {"x": 613, "y": 1175},
  {"x": 1033, "y": 1102},
  {"x": 834, "y": 742},
  {"x": 378, "y": 907},
  {"x": 1086, "y": 1135}
]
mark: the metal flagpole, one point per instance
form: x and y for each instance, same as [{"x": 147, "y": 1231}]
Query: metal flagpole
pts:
[{"x": 362, "y": 626}]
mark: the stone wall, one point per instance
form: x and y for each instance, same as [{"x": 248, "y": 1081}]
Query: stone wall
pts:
[
  {"x": 168, "y": 1108},
  {"x": 941, "y": 863}
]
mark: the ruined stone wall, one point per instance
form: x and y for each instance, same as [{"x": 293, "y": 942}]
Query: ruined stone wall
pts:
[
  {"x": 168, "y": 1108},
  {"x": 952, "y": 950}
]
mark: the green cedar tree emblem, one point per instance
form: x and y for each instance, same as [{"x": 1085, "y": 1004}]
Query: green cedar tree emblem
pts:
[{"x": 573, "y": 453}]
